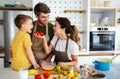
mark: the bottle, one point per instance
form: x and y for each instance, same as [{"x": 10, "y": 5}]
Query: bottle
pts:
[{"x": 83, "y": 72}]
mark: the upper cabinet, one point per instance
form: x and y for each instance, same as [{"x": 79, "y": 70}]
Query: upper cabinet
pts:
[
  {"x": 103, "y": 17},
  {"x": 102, "y": 14}
]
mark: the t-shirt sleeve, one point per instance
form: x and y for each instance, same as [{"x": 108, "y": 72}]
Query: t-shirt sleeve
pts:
[
  {"x": 74, "y": 49},
  {"x": 27, "y": 41},
  {"x": 54, "y": 39}
]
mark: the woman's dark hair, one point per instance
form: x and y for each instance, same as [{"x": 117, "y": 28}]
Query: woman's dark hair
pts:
[
  {"x": 41, "y": 7},
  {"x": 69, "y": 29},
  {"x": 21, "y": 19}
]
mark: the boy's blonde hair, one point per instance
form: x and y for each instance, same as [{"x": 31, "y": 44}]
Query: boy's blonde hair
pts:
[{"x": 21, "y": 19}]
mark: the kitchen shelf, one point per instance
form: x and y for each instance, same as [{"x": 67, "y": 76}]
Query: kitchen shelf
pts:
[
  {"x": 118, "y": 9},
  {"x": 80, "y": 11},
  {"x": 1, "y": 23},
  {"x": 51, "y": 20},
  {"x": 118, "y": 23},
  {"x": 1, "y": 50},
  {"x": 103, "y": 8},
  {"x": 16, "y": 8},
  {"x": 81, "y": 31}
]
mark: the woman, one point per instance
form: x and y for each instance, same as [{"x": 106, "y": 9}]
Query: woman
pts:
[{"x": 65, "y": 43}]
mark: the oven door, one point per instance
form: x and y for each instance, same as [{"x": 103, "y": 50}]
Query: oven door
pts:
[{"x": 102, "y": 41}]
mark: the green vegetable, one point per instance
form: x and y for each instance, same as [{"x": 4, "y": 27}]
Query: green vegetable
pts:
[
  {"x": 66, "y": 68},
  {"x": 58, "y": 69}
]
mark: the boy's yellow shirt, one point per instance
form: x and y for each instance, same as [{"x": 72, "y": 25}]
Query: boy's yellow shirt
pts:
[{"x": 19, "y": 44}]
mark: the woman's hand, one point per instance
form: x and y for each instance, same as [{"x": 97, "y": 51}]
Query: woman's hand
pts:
[
  {"x": 39, "y": 34},
  {"x": 62, "y": 64}
]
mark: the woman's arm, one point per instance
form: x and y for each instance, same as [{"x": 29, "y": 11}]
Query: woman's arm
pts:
[
  {"x": 31, "y": 57},
  {"x": 47, "y": 48},
  {"x": 71, "y": 63}
]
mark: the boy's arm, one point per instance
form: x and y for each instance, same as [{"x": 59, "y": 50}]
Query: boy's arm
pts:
[{"x": 31, "y": 57}]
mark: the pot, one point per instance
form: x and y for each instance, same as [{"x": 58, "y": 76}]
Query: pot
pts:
[
  {"x": 102, "y": 64},
  {"x": 98, "y": 76}
]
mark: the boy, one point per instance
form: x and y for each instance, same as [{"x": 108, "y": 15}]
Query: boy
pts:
[{"x": 22, "y": 55}]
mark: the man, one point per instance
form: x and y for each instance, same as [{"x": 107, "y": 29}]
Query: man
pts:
[{"x": 41, "y": 11}]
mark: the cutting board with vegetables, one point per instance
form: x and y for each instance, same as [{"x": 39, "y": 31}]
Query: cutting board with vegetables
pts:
[{"x": 41, "y": 71}]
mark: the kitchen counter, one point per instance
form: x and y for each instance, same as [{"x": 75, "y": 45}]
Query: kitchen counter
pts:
[{"x": 113, "y": 73}]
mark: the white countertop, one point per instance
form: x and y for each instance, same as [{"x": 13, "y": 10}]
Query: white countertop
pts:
[
  {"x": 113, "y": 73},
  {"x": 8, "y": 73}
]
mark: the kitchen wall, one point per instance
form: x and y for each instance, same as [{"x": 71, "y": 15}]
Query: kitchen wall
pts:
[{"x": 2, "y": 2}]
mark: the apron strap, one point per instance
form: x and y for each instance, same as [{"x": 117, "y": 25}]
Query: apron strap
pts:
[
  {"x": 66, "y": 44},
  {"x": 47, "y": 29},
  {"x": 34, "y": 28},
  {"x": 56, "y": 43}
]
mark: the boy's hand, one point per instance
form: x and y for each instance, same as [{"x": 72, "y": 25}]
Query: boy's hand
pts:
[{"x": 36, "y": 66}]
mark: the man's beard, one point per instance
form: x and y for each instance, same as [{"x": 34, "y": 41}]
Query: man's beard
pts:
[{"x": 42, "y": 23}]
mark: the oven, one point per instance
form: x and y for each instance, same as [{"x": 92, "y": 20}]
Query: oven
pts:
[{"x": 102, "y": 40}]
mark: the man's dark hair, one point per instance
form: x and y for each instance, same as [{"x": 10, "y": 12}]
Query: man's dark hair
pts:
[{"x": 41, "y": 7}]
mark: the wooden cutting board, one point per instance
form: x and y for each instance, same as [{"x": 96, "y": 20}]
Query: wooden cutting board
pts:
[{"x": 41, "y": 71}]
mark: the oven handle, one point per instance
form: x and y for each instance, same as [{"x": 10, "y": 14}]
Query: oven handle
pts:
[{"x": 103, "y": 32}]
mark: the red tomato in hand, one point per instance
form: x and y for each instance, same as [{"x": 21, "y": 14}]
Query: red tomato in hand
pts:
[
  {"x": 46, "y": 74},
  {"x": 41, "y": 33},
  {"x": 38, "y": 76},
  {"x": 36, "y": 33}
]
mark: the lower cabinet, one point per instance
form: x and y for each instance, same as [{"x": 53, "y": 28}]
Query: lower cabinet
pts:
[{"x": 1, "y": 63}]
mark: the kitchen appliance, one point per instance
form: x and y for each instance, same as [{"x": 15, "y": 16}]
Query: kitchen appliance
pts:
[
  {"x": 10, "y": 30},
  {"x": 102, "y": 39}
]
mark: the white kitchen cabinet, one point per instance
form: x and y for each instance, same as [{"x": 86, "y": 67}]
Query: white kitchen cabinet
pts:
[
  {"x": 2, "y": 60},
  {"x": 1, "y": 63},
  {"x": 102, "y": 33},
  {"x": 103, "y": 17}
]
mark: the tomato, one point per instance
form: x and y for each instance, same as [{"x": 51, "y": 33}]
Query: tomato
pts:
[
  {"x": 38, "y": 76},
  {"x": 36, "y": 33},
  {"x": 46, "y": 74},
  {"x": 41, "y": 33}
]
